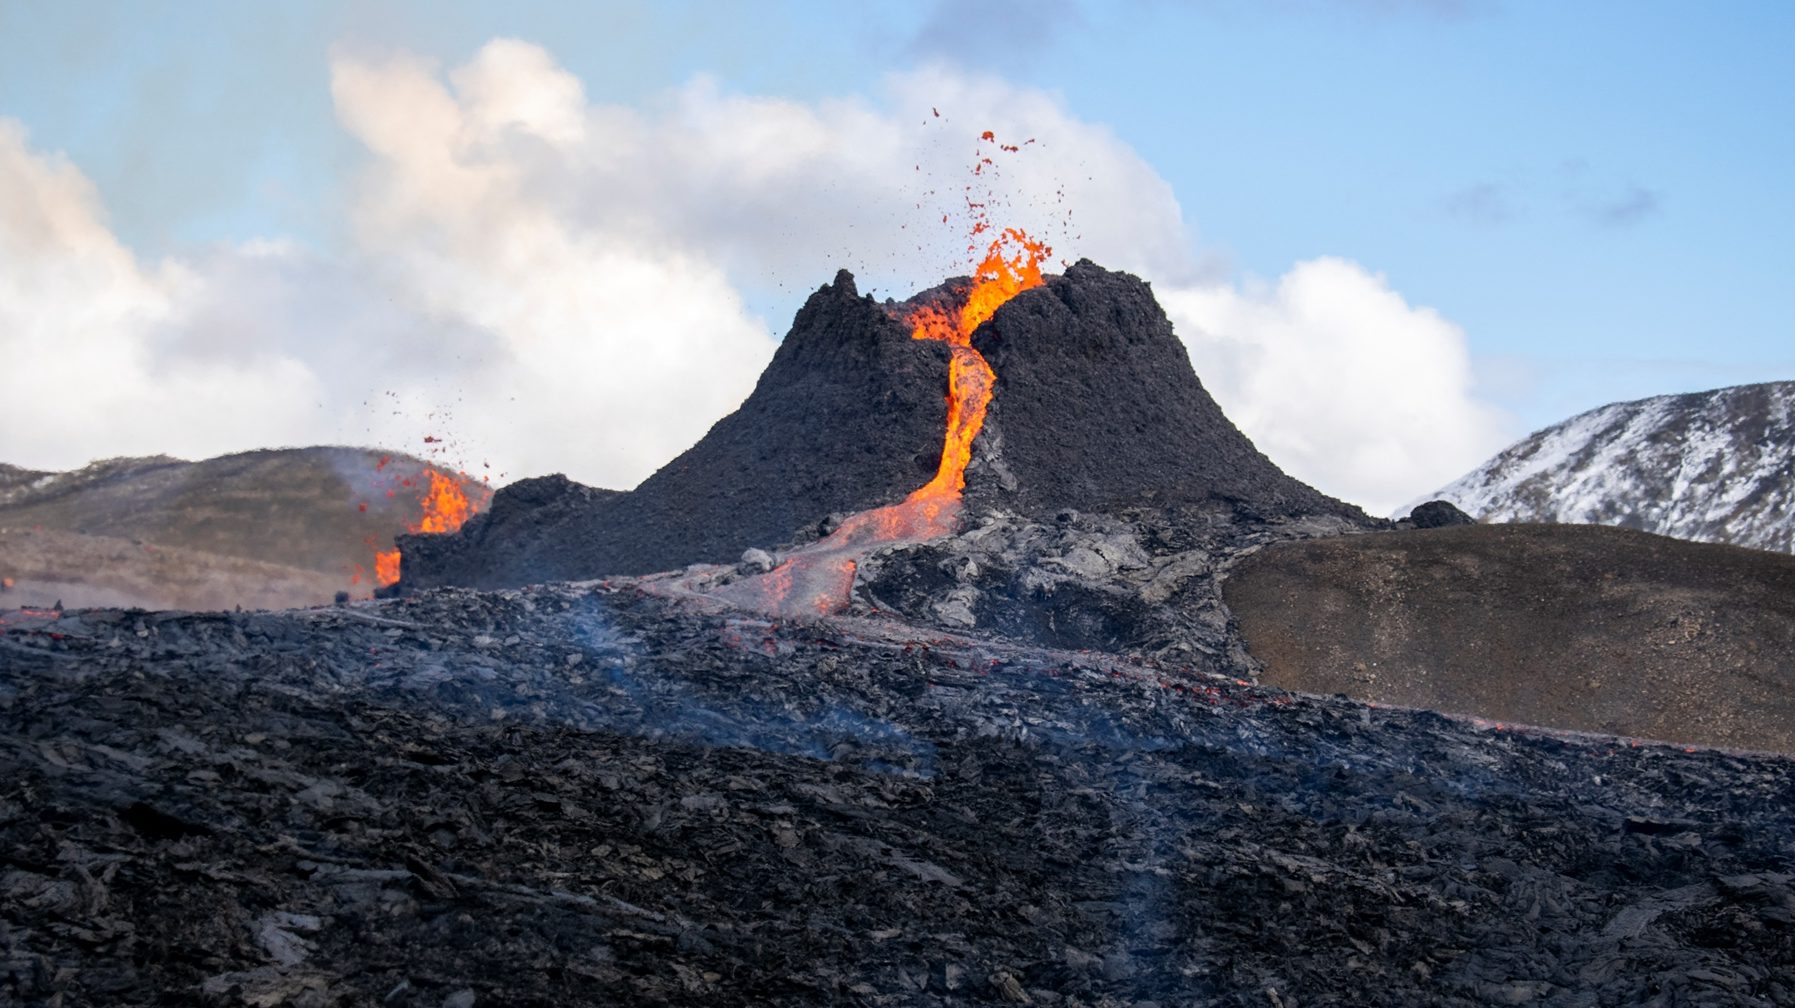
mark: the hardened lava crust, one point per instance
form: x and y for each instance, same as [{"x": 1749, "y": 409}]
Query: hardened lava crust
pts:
[{"x": 580, "y": 795}]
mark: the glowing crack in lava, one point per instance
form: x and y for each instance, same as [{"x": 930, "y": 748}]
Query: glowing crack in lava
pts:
[
  {"x": 818, "y": 578},
  {"x": 446, "y": 508}
]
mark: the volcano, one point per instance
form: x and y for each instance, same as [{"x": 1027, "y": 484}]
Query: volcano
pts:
[
  {"x": 1096, "y": 406},
  {"x": 981, "y": 728}
]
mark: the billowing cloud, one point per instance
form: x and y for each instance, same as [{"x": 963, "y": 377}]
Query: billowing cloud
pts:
[
  {"x": 604, "y": 247},
  {"x": 770, "y": 190},
  {"x": 1340, "y": 381},
  {"x": 567, "y": 285},
  {"x": 85, "y": 336}
]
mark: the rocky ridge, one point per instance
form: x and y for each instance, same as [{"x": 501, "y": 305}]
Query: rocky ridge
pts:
[{"x": 296, "y": 507}]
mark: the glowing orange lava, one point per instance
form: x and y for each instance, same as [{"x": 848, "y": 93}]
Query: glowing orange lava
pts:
[
  {"x": 820, "y": 577},
  {"x": 969, "y": 378},
  {"x": 446, "y": 508}
]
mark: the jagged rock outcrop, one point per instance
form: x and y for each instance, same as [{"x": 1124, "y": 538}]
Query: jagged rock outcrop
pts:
[
  {"x": 517, "y": 512},
  {"x": 1096, "y": 406},
  {"x": 1713, "y": 466},
  {"x": 1438, "y": 514}
]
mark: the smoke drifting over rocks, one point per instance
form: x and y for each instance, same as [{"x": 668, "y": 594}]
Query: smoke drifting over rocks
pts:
[{"x": 1022, "y": 761}]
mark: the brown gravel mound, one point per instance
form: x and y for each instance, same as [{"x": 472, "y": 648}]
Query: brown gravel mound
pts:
[{"x": 1572, "y": 626}]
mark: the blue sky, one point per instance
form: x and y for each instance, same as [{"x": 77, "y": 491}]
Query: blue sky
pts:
[{"x": 1596, "y": 196}]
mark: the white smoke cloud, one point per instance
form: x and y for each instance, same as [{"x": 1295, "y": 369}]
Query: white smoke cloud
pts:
[
  {"x": 565, "y": 285},
  {"x": 1340, "y": 381}
]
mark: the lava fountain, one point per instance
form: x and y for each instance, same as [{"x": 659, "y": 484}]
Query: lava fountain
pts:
[{"x": 446, "y": 508}]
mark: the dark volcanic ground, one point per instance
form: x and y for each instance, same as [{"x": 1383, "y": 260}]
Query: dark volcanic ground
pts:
[{"x": 580, "y": 795}]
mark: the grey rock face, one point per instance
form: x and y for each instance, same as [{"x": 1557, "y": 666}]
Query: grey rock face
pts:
[
  {"x": 755, "y": 561},
  {"x": 1713, "y": 466},
  {"x": 1143, "y": 581}
]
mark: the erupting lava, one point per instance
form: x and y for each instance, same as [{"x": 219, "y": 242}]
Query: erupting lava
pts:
[
  {"x": 446, "y": 507},
  {"x": 819, "y": 577},
  {"x": 969, "y": 377}
]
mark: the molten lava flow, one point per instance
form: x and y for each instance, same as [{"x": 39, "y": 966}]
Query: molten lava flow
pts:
[
  {"x": 969, "y": 377},
  {"x": 819, "y": 578},
  {"x": 446, "y": 508}
]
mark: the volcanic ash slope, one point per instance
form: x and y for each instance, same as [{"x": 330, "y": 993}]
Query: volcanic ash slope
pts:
[
  {"x": 1576, "y": 626},
  {"x": 271, "y": 528}
]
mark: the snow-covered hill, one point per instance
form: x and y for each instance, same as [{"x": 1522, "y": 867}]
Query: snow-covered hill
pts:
[{"x": 1715, "y": 466}]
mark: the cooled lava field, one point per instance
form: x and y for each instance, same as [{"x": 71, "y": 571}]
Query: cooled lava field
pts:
[{"x": 581, "y": 794}]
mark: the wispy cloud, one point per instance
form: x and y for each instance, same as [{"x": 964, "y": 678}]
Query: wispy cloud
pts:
[
  {"x": 1580, "y": 194},
  {"x": 1485, "y": 203},
  {"x": 1626, "y": 209},
  {"x": 977, "y": 32},
  {"x": 1442, "y": 10},
  {"x": 1606, "y": 202}
]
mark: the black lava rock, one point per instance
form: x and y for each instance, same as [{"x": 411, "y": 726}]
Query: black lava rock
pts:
[
  {"x": 1439, "y": 514},
  {"x": 518, "y": 514},
  {"x": 1097, "y": 406},
  {"x": 578, "y": 796}
]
